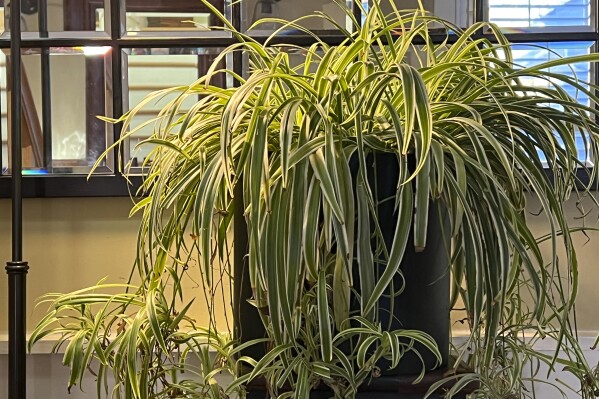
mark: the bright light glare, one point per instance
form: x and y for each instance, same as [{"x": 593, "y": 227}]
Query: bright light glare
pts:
[{"x": 94, "y": 51}]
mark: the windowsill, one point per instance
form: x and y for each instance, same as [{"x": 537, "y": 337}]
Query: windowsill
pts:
[
  {"x": 44, "y": 347},
  {"x": 586, "y": 339}
]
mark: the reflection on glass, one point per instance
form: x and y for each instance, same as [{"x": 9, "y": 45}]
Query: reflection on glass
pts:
[
  {"x": 253, "y": 10},
  {"x": 266, "y": 9},
  {"x": 62, "y": 15},
  {"x": 458, "y": 12},
  {"x": 77, "y": 137},
  {"x": 171, "y": 15},
  {"x": 149, "y": 70},
  {"x": 540, "y": 13}
]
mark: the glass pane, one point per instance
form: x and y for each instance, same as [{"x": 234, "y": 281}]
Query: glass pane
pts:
[
  {"x": 534, "y": 53},
  {"x": 540, "y": 13},
  {"x": 77, "y": 136},
  {"x": 149, "y": 70},
  {"x": 62, "y": 15},
  {"x": 172, "y": 15},
  {"x": 254, "y": 10},
  {"x": 458, "y": 12}
]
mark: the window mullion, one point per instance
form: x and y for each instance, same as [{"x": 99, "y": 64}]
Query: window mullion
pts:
[
  {"x": 46, "y": 87},
  {"x": 116, "y": 23},
  {"x": 479, "y": 10},
  {"x": 237, "y": 22}
]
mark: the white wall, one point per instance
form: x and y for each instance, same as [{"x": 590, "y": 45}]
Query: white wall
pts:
[{"x": 47, "y": 379}]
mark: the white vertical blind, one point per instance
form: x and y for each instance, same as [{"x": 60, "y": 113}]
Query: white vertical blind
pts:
[{"x": 540, "y": 13}]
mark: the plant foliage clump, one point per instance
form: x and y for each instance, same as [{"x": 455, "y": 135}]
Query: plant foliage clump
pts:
[{"x": 485, "y": 140}]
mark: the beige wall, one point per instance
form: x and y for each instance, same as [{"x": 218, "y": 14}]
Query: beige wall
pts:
[
  {"x": 587, "y": 248},
  {"x": 588, "y": 257},
  {"x": 73, "y": 243},
  {"x": 69, "y": 244}
]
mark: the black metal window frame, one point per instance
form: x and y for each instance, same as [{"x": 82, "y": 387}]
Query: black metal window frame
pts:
[{"x": 104, "y": 185}]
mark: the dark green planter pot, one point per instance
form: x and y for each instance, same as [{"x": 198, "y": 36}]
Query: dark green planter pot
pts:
[
  {"x": 247, "y": 322},
  {"x": 424, "y": 304}
]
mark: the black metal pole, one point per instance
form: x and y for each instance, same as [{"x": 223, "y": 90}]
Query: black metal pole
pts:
[
  {"x": 17, "y": 268},
  {"x": 46, "y": 83}
]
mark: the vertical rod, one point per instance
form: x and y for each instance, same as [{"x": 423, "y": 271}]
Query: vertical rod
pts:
[
  {"x": 46, "y": 84},
  {"x": 117, "y": 13},
  {"x": 17, "y": 268},
  {"x": 17, "y": 280},
  {"x": 16, "y": 139}
]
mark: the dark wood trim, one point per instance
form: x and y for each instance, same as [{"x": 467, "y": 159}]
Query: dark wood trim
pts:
[
  {"x": 81, "y": 14},
  {"x": 330, "y": 37},
  {"x": 50, "y": 186},
  {"x": 204, "y": 62}
]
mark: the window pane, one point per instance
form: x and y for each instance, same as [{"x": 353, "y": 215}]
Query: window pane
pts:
[
  {"x": 540, "y": 13},
  {"x": 62, "y": 15},
  {"x": 532, "y": 54},
  {"x": 172, "y": 15},
  {"x": 78, "y": 137},
  {"x": 149, "y": 70},
  {"x": 459, "y": 12},
  {"x": 254, "y": 10}
]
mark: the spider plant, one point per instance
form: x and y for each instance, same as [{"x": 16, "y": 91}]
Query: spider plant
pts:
[{"x": 485, "y": 140}]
